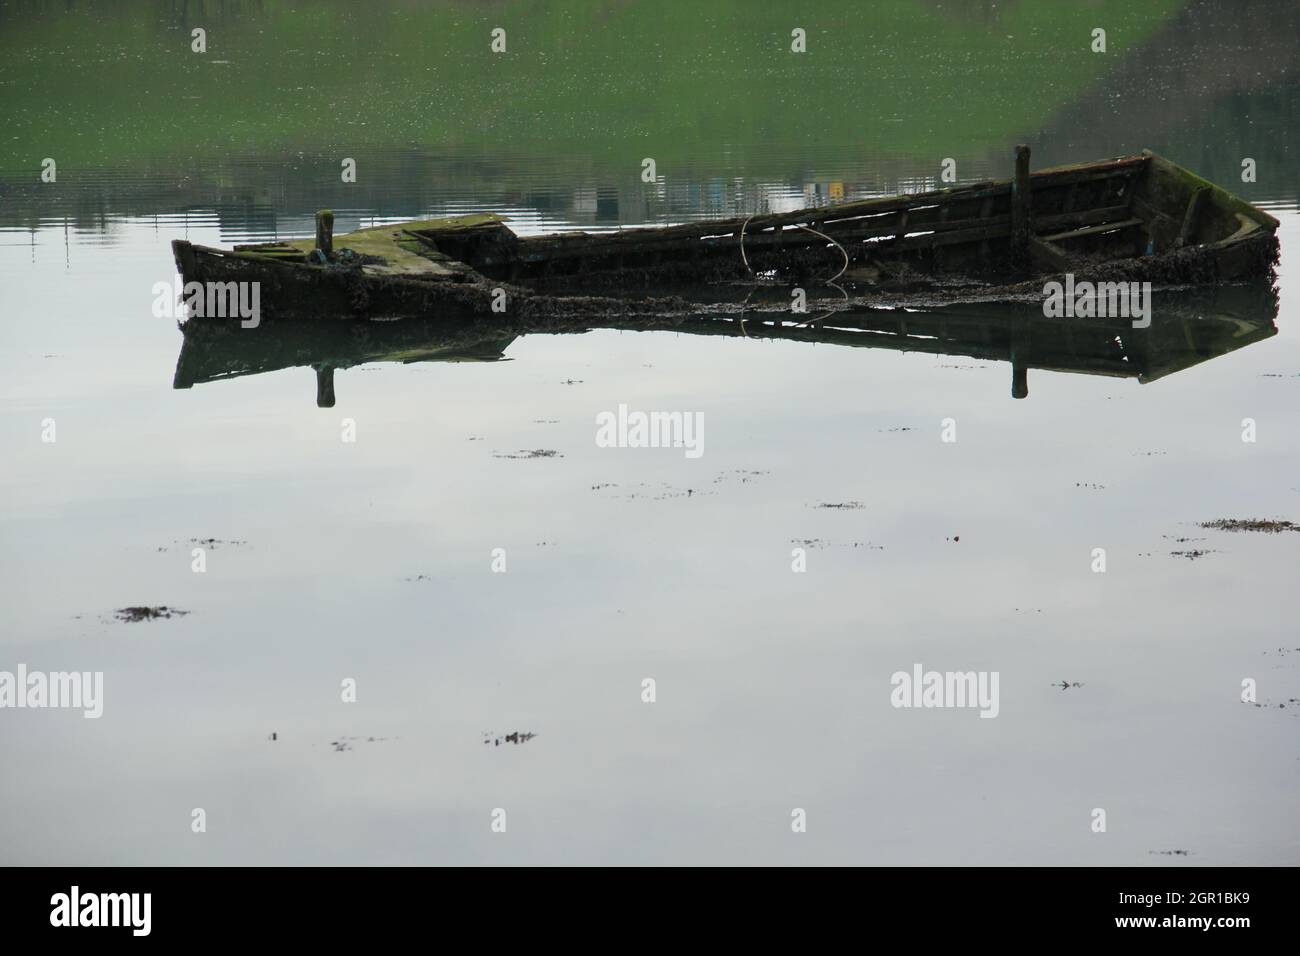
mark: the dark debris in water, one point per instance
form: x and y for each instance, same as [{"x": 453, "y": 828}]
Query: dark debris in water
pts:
[
  {"x": 518, "y": 737},
  {"x": 1288, "y": 704},
  {"x": 531, "y": 453},
  {"x": 656, "y": 492},
  {"x": 1169, "y": 852},
  {"x": 842, "y": 505},
  {"x": 1193, "y": 554},
  {"x": 209, "y": 544},
  {"x": 133, "y": 615},
  {"x": 345, "y": 743},
  {"x": 664, "y": 491},
  {"x": 1266, "y": 525},
  {"x": 743, "y": 475},
  {"x": 820, "y": 543}
]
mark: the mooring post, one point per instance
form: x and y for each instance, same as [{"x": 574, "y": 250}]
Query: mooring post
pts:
[
  {"x": 325, "y": 231},
  {"x": 1019, "y": 381},
  {"x": 1020, "y": 351},
  {"x": 1020, "y": 209},
  {"x": 324, "y": 386}
]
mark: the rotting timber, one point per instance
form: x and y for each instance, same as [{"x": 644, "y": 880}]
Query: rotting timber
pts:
[
  {"x": 1191, "y": 327},
  {"x": 1134, "y": 218}
]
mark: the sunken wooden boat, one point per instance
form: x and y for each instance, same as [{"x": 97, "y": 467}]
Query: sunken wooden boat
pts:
[
  {"x": 1188, "y": 328},
  {"x": 1133, "y": 218}
]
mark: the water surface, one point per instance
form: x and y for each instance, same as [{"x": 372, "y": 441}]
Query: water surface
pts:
[{"x": 372, "y": 560}]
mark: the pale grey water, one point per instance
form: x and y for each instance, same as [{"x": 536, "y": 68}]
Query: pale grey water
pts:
[{"x": 773, "y": 687}]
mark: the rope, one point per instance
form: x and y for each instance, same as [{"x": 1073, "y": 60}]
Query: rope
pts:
[
  {"x": 831, "y": 280},
  {"x": 743, "y": 257},
  {"x": 819, "y": 318}
]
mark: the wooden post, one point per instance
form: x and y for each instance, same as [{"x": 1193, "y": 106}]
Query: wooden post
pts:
[
  {"x": 324, "y": 386},
  {"x": 325, "y": 231},
  {"x": 1020, "y": 210},
  {"x": 1019, "y": 381},
  {"x": 1020, "y": 353}
]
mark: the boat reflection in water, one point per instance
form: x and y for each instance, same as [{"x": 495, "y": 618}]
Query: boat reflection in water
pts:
[{"x": 1187, "y": 328}]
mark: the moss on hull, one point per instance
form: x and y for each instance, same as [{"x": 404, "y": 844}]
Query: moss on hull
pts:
[{"x": 1136, "y": 218}]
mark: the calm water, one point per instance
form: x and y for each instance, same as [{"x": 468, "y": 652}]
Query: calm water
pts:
[{"x": 372, "y": 560}]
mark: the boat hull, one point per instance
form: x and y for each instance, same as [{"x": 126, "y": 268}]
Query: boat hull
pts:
[{"x": 1137, "y": 218}]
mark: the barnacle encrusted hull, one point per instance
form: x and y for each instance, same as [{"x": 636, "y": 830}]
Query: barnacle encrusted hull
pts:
[{"x": 1134, "y": 218}]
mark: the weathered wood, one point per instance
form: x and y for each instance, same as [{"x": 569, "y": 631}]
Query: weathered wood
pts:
[
  {"x": 183, "y": 253},
  {"x": 325, "y": 386},
  {"x": 1043, "y": 179},
  {"x": 1093, "y": 230},
  {"x": 1161, "y": 168},
  {"x": 450, "y": 265},
  {"x": 986, "y": 208},
  {"x": 1070, "y": 195},
  {"x": 1049, "y": 255},
  {"x": 1189, "y": 217},
  {"x": 1019, "y": 381},
  {"x": 934, "y": 232},
  {"x": 1020, "y": 200},
  {"x": 943, "y": 219},
  {"x": 325, "y": 231},
  {"x": 888, "y": 227}
]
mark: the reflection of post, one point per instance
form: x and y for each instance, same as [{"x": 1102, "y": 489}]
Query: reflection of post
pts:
[
  {"x": 325, "y": 231},
  {"x": 1019, "y": 381},
  {"x": 1019, "y": 357},
  {"x": 324, "y": 386},
  {"x": 1020, "y": 210}
]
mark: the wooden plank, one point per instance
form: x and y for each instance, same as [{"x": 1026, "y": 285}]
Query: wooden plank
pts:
[
  {"x": 881, "y": 232},
  {"x": 1049, "y": 255},
  {"x": 1093, "y": 230},
  {"x": 1044, "y": 179},
  {"x": 986, "y": 208},
  {"x": 956, "y": 237},
  {"x": 1163, "y": 167},
  {"x": 1189, "y": 217}
]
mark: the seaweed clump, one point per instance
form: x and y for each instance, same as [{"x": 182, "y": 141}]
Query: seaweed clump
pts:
[
  {"x": 134, "y": 615},
  {"x": 1265, "y": 525}
]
